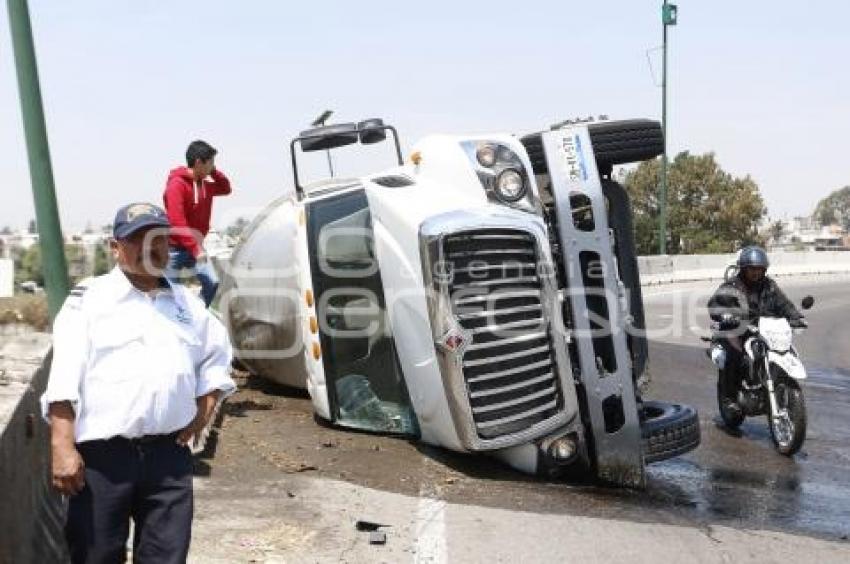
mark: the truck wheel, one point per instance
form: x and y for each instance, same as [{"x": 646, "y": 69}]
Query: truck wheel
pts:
[
  {"x": 667, "y": 430},
  {"x": 614, "y": 143}
]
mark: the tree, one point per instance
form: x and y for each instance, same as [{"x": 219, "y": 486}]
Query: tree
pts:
[
  {"x": 28, "y": 266},
  {"x": 32, "y": 228},
  {"x": 75, "y": 259},
  {"x": 776, "y": 231},
  {"x": 708, "y": 209},
  {"x": 835, "y": 208},
  {"x": 102, "y": 260}
]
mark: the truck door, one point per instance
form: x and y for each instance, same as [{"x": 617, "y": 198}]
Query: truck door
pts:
[{"x": 366, "y": 388}]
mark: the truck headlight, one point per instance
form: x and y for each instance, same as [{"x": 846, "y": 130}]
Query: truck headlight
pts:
[
  {"x": 510, "y": 185},
  {"x": 486, "y": 155},
  {"x": 502, "y": 174}
]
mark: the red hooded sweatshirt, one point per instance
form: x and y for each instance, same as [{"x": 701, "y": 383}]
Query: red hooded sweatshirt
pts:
[{"x": 189, "y": 206}]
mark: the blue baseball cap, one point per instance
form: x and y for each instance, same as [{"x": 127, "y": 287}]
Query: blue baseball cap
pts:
[{"x": 133, "y": 217}]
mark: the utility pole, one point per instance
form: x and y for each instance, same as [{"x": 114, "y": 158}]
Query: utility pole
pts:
[
  {"x": 669, "y": 13},
  {"x": 41, "y": 173}
]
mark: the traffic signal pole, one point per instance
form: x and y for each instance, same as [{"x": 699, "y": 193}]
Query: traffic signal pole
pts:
[
  {"x": 662, "y": 216},
  {"x": 41, "y": 172},
  {"x": 669, "y": 13}
]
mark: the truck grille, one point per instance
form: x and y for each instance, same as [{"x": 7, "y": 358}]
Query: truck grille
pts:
[{"x": 496, "y": 296}]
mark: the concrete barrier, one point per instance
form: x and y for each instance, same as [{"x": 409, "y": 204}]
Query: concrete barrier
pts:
[
  {"x": 666, "y": 269},
  {"x": 31, "y": 514}
]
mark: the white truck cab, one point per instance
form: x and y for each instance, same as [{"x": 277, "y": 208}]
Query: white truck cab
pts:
[{"x": 482, "y": 296}]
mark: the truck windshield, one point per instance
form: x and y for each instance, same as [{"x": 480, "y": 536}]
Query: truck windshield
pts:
[{"x": 365, "y": 383}]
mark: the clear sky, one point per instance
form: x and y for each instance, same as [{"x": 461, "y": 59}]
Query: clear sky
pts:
[{"x": 127, "y": 84}]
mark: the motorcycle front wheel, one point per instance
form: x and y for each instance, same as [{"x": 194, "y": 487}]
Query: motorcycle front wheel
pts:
[{"x": 788, "y": 425}]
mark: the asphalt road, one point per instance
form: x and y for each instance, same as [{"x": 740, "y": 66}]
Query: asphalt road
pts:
[
  {"x": 743, "y": 478},
  {"x": 284, "y": 488}
]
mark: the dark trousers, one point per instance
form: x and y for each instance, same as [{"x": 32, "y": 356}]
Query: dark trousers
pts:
[
  {"x": 149, "y": 481},
  {"x": 730, "y": 377}
]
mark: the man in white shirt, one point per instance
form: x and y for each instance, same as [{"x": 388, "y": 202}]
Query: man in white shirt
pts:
[{"x": 138, "y": 367}]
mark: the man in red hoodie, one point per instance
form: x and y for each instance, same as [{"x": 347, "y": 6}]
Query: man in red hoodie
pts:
[{"x": 188, "y": 199}]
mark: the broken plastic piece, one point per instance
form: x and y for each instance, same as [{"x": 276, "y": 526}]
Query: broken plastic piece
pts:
[
  {"x": 368, "y": 525},
  {"x": 377, "y": 537}
]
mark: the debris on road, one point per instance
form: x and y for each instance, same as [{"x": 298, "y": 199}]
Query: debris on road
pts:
[
  {"x": 362, "y": 525},
  {"x": 377, "y": 537}
]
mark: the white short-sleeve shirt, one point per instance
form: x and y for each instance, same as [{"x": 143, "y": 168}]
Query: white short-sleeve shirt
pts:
[{"x": 133, "y": 363}]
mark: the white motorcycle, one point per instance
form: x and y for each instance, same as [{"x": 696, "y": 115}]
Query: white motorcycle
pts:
[{"x": 770, "y": 383}]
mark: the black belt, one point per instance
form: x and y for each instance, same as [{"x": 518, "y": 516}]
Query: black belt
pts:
[
  {"x": 143, "y": 440},
  {"x": 147, "y": 439}
]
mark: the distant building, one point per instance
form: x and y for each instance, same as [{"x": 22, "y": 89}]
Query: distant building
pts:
[
  {"x": 22, "y": 239},
  {"x": 804, "y": 234}
]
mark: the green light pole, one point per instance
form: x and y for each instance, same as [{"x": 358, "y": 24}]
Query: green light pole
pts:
[
  {"x": 669, "y": 13},
  {"x": 41, "y": 173}
]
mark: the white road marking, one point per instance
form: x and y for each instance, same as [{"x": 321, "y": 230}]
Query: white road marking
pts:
[{"x": 431, "y": 532}]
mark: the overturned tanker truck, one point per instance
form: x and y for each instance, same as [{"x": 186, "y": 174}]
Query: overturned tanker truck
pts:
[{"x": 483, "y": 297}]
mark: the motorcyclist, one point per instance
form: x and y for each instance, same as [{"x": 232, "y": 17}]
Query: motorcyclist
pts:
[{"x": 739, "y": 302}]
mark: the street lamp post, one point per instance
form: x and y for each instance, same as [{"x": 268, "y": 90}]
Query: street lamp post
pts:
[
  {"x": 50, "y": 241},
  {"x": 669, "y": 14},
  {"x": 319, "y": 122}
]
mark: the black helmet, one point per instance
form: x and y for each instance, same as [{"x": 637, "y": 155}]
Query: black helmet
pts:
[{"x": 753, "y": 256}]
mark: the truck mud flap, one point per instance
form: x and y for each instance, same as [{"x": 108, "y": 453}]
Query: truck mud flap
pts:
[{"x": 606, "y": 390}]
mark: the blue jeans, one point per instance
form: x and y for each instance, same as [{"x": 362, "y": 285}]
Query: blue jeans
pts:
[{"x": 180, "y": 258}]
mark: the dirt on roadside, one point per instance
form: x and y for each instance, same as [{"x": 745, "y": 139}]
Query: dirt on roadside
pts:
[
  {"x": 25, "y": 309},
  {"x": 267, "y": 431},
  {"x": 276, "y": 425}
]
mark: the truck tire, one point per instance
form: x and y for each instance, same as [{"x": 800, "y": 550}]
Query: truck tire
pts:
[
  {"x": 667, "y": 430},
  {"x": 614, "y": 143}
]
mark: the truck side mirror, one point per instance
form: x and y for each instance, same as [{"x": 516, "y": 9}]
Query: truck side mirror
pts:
[
  {"x": 808, "y": 302},
  {"x": 372, "y": 131},
  {"x": 328, "y": 137}
]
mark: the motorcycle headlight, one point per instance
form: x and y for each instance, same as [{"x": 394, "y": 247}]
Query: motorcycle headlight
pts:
[{"x": 502, "y": 173}]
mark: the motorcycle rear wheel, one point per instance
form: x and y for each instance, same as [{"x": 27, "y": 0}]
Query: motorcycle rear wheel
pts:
[{"x": 788, "y": 433}]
